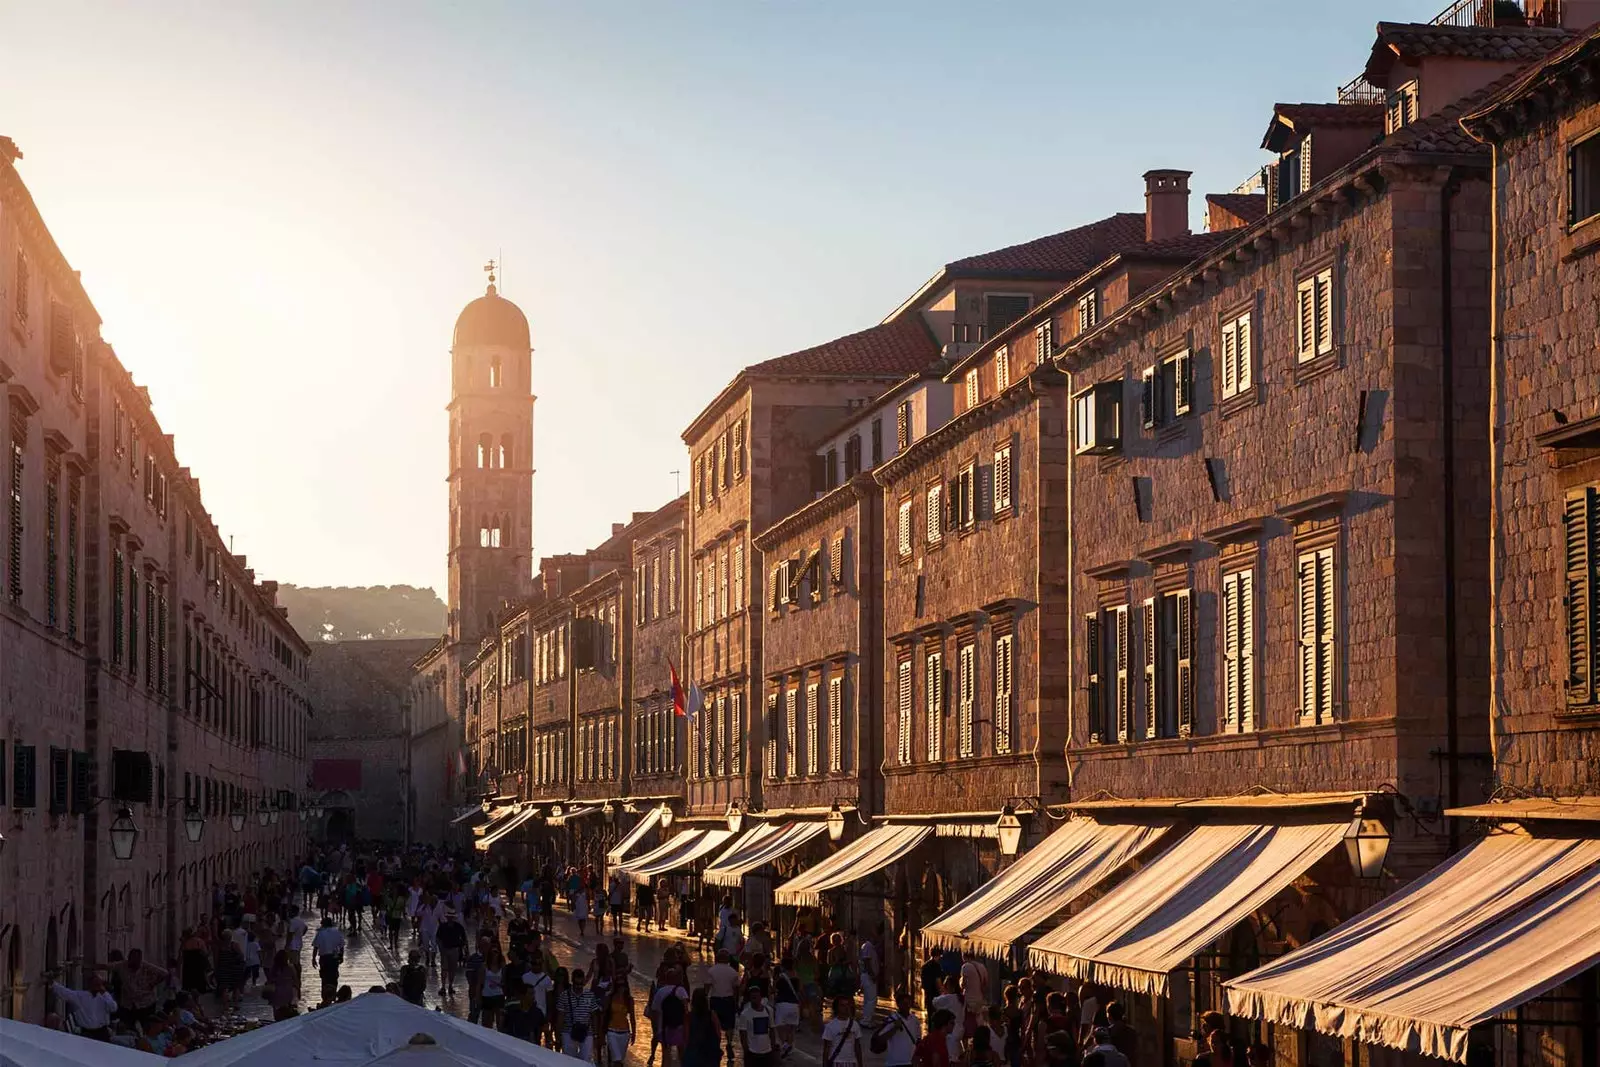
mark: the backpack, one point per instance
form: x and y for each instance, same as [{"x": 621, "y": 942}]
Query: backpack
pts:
[{"x": 672, "y": 1010}]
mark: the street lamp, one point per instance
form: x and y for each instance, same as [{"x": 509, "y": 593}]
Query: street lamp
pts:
[
  {"x": 666, "y": 815},
  {"x": 194, "y": 823},
  {"x": 835, "y": 822},
  {"x": 735, "y": 817},
  {"x": 273, "y": 815},
  {"x": 1367, "y": 844},
  {"x": 1010, "y": 831},
  {"x": 124, "y": 834},
  {"x": 236, "y": 818},
  {"x": 300, "y": 808},
  {"x": 556, "y": 810},
  {"x": 263, "y": 813}
]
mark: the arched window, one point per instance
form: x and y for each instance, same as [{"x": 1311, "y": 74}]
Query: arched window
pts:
[
  {"x": 494, "y": 372},
  {"x": 506, "y": 451},
  {"x": 485, "y": 451}
]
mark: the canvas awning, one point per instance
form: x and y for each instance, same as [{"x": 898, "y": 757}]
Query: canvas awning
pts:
[
  {"x": 630, "y": 840},
  {"x": 572, "y": 814},
  {"x": 26, "y": 1045},
  {"x": 474, "y": 815},
  {"x": 873, "y": 850},
  {"x": 759, "y": 846},
  {"x": 1048, "y": 877},
  {"x": 498, "y": 817},
  {"x": 1183, "y": 901},
  {"x": 1487, "y": 930},
  {"x": 506, "y": 827},
  {"x": 686, "y": 847}
]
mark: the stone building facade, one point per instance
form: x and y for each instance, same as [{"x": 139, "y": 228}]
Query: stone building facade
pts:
[
  {"x": 659, "y": 735},
  {"x": 1545, "y": 480},
  {"x": 144, "y": 670}
]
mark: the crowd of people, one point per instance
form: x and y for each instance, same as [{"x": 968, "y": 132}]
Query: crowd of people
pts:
[{"x": 751, "y": 991}]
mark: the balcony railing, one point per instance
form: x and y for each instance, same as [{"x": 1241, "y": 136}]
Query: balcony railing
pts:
[
  {"x": 968, "y": 333},
  {"x": 1360, "y": 91},
  {"x": 1500, "y": 13}
]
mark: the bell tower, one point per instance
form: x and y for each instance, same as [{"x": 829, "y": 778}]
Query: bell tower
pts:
[{"x": 491, "y": 462}]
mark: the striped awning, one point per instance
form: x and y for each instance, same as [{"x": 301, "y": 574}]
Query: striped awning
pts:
[
  {"x": 872, "y": 851},
  {"x": 506, "y": 827},
  {"x": 649, "y": 821},
  {"x": 685, "y": 848},
  {"x": 759, "y": 846}
]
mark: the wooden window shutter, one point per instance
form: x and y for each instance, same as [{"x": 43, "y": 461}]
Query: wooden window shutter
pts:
[
  {"x": 1243, "y": 358},
  {"x": 1184, "y": 604},
  {"x": 1230, "y": 359},
  {"x": 1092, "y": 650},
  {"x": 813, "y": 736},
  {"x": 1307, "y": 580},
  {"x": 935, "y": 514},
  {"x": 903, "y": 531},
  {"x": 791, "y": 733},
  {"x": 966, "y": 692},
  {"x": 1002, "y": 369},
  {"x": 1182, "y": 382},
  {"x": 770, "y": 735},
  {"x": 836, "y": 723},
  {"x": 1582, "y": 535},
  {"x": 903, "y": 711},
  {"x": 1002, "y": 479},
  {"x": 1124, "y": 698},
  {"x": 1306, "y": 318},
  {"x": 1149, "y": 397},
  {"x": 935, "y": 706},
  {"x": 902, "y": 426},
  {"x": 1327, "y": 660},
  {"x": 738, "y": 576},
  {"x": 1003, "y": 659},
  {"x": 1247, "y": 650},
  {"x": 738, "y": 449},
  {"x": 1229, "y": 625},
  {"x": 1153, "y": 711},
  {"x": 1324, "y": 281}
]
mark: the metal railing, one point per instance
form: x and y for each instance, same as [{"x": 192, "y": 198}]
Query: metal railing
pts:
[
  {"x": 1500, "y": 13},
  {"x": 1360, "y": 91}
]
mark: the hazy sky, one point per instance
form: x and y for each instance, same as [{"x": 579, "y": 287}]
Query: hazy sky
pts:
[{"x": 280, "y": 208}]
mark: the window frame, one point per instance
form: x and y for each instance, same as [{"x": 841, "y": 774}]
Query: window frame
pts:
[
  {"x": 905, "y": 532},
  {"x": 1322, "y": 650},
  {"x": 1103, "y": 403},
  {"x": 1322, "y": 280}
]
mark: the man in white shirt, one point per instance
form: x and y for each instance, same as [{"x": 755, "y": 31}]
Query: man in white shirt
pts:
[
  {"x": 755, "y": 1030},
  {"x": 901, "y": 1030},
  {"x": 723, "y": 979},
  {"x": 92, "y": 1009},
  {"x": 328, "y": 950},
  {"x": 297, "y": 938},
  {"x": 868, "y": 957},
  {"x": 841, "y": 1037}
]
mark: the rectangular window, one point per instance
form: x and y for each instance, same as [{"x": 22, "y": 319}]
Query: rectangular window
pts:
[
  {"x": 1166, "y": 390},
  {"x": 791, "y": 732},
  {"x": 700, "y": 483},
  {"x": 1581, "y": 534},
  {"x": 836, "y": 723},
  {"x": 934, "y": 704},
  {"x": 903, "y": 712},
  {"x": 966, "y": 699},
  {"x": 966, "y": 506},
  {"x": 1122, "y": 689},
  {"x": 738, "y": 576},
  {"x": 813, "y": 739},
  {"x": 771, "y": 735},
  {"x": 1002, "y": 368},
  {"x": 877, "y": 441},
  {"x": 903, "y": 528},
  {"x": 699, "y": 598},
  {"x": 1318, "y": 635},
  {"x": 1238, "y": 357},
  {"x": 1043, "y": 341},
  {"x": 1004, "y": 715},
  {"x": 1400, "y": 109},
  {"x": 720, "y": 743},
  {"x": 19, "y": 305},
  {"x": 1583, "y": 180},
  {"x": 934, "y": 527},
  {"x": 1088, "y": 311},
  {"x": 52, "y": 546},
  {"x": 14, "y": 497},
  {"x": 724, "y": 586},
  {"x": 1003, "y": 493},
  {"x": 972, "y": 388},
  {"x": 736, "y": 733},
  {"x": 74, "y": 502},
  {"x": 655, "y": 587},
  {"x": 836, "y": 559},
  {"x": 1098, "y": 419},
  {"x": 738, "y": 449},
  {"x": 1314, "y": 315},
  {"x": 24, "y": 769},
  {"x": 60, "y": 780},
  {"x": 672, "y": 579},
  {"x": 902, "y": 426},
  {"x": 725, "y": 460},
  {"x": 1236, "y": 621}
]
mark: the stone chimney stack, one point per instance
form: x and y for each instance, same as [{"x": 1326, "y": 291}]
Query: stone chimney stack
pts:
[{"x": 1166, "y": 204}]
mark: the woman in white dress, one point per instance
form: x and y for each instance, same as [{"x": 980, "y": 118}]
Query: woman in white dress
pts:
[{"x": 580, "y": 907}]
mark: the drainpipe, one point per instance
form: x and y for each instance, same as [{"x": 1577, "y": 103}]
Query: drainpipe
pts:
[
  {"x": 1447, "y": 195},
  {"x": 1496, "y": 481},
  {"x": 1072, "y": 615}
]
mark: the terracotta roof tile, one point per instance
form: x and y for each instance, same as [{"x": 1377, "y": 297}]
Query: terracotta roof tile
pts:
[
  {"x": 890, "y": 350},
  {"x": 1248, "y": 207},
  {"x": 1412, "y": 40},
  {"x": 1290, "y": 121},
  {"x": 1185, "y": 247},
  {"x": 1066, "y": 254},
  {"x": 1551, "y": 67}
]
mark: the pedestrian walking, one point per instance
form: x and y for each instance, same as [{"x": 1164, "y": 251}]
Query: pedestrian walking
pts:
[
  {"x": 327, "y": 949},
  {"x": 575, "y": 1015}
]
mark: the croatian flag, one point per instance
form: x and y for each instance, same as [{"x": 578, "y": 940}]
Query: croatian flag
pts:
[{"x": 679, "y": 704}]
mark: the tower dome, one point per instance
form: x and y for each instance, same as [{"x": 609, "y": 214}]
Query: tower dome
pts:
[{"x": 492, "y": 320}]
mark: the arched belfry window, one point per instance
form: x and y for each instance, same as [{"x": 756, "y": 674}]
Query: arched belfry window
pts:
[
  {"x": 495, "y": 378},
  {"x": 485, "y": 451},
  {"x": 506, "y": 450}
]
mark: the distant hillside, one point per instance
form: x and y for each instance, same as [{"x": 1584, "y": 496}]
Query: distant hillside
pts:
[{"x": 363, "y": 613}]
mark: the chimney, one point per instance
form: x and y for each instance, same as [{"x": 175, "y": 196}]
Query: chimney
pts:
[
  {"x": 618, "y": 527},
  {"x": 1166, "y": 204}
]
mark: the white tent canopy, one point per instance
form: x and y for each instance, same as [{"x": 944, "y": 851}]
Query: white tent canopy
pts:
[
  {"x": 760, "y": 845},
  {"x": 1489, "y": 929},
  {"x": 1067, "y": 864},
  {"x": 27, "y": 1045},
  {"x": 873, "y": 850},
  {"x": 506, "y": 827},
  {"x": 573, "y": 812},
  {"x": 1182, "y": 902},
  {"x": 369, "y": 1030},
  {"x": 686, "y": 847},
  {"x": 650, "y": 820}
]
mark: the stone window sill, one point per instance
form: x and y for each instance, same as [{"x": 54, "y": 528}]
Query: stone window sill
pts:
[
  {"x": 1312, "y": 369},
  {"x": 1581, "y": 239},
  {"x": 1248, "y": 397}
]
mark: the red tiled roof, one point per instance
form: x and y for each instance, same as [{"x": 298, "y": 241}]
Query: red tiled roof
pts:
[
  {"x": 1300, "y": 118},
  {"x": 1441, "y": 132},
  {"x": 1066, "y": 254},
  {"x": 1413, "y": 40},
  {"x": 1184, "y": 247},
  {"x": 1247, "y": 207},
  {"x": 1549, "y": 69},
  {"x": 890, "y": 350}
]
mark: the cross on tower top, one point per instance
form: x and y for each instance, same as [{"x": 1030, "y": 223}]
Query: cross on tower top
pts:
[{"x": 489, "y": 269}]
